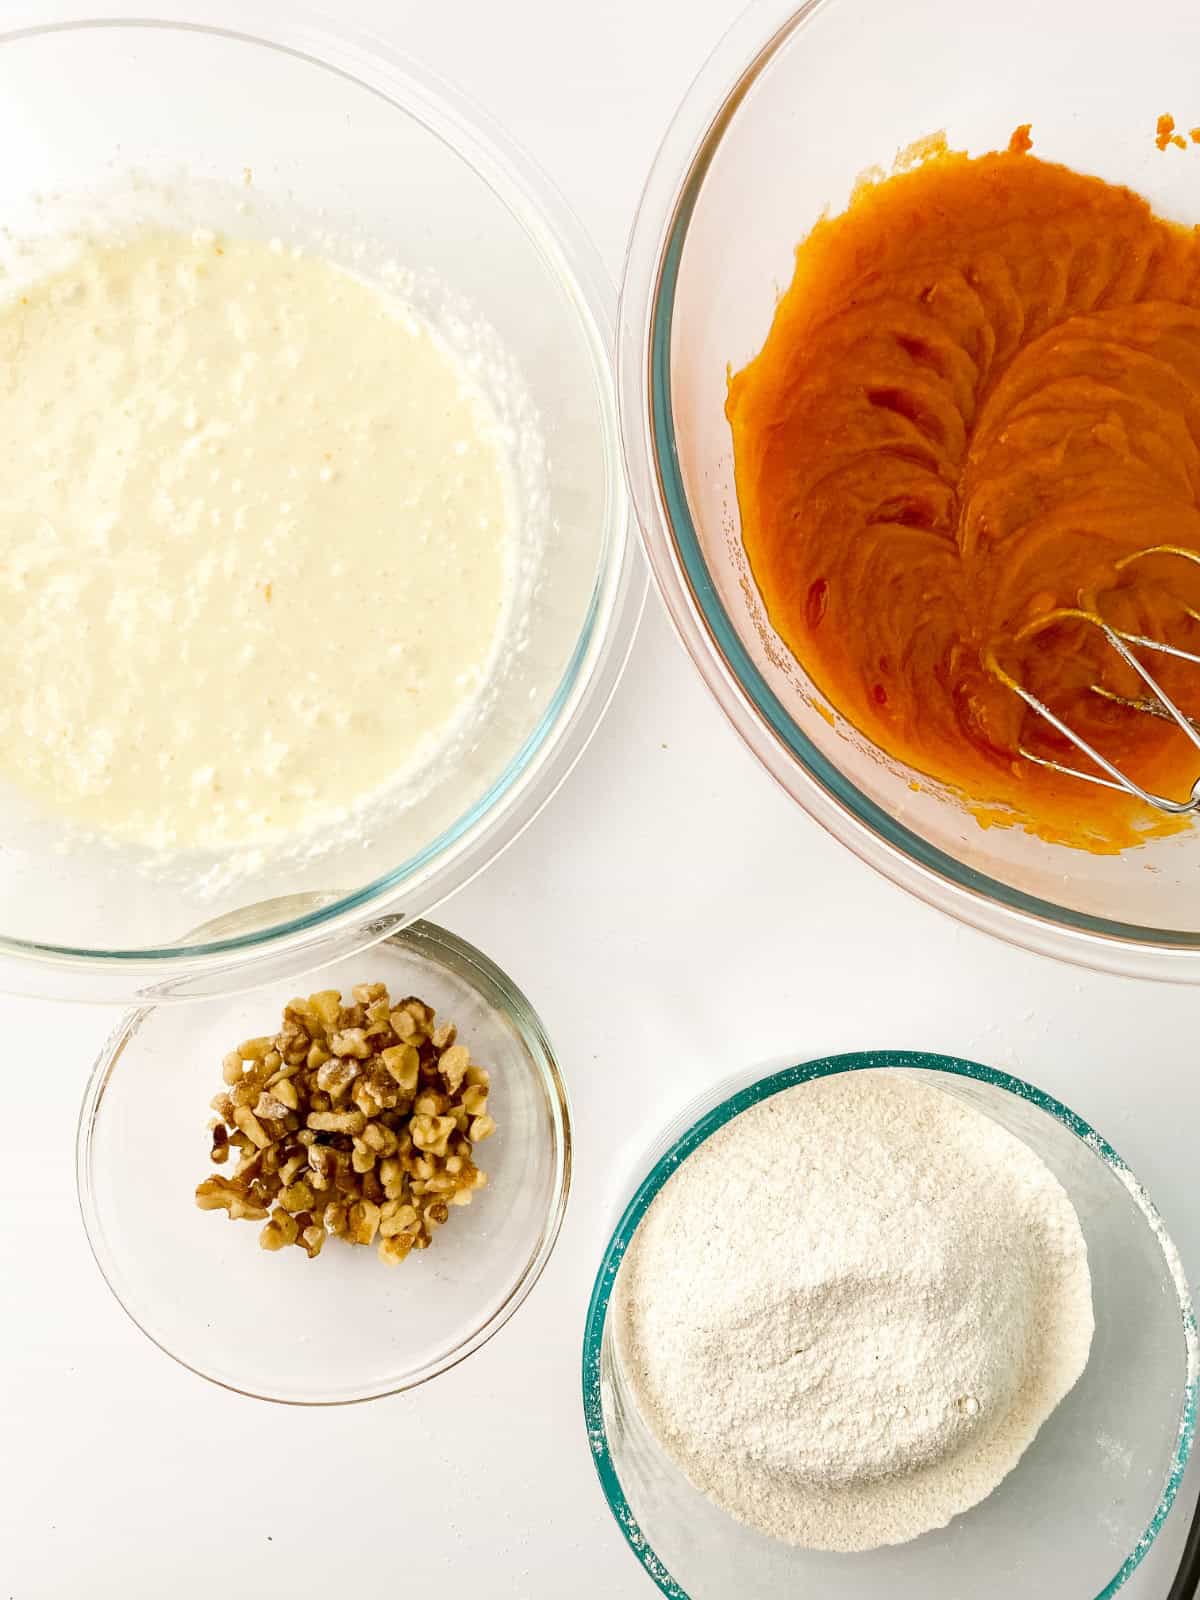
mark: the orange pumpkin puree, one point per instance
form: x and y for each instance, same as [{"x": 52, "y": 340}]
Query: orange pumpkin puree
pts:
[{"x": 980, "y": 393}]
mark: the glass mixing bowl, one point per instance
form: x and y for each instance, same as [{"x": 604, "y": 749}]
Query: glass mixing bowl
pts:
[
  {"x": 261, "y": 118},
  {"x": 1089, "y": 1496},
  {"x": 790, "y": 109},
  {"x": 345, "y": 1326}
]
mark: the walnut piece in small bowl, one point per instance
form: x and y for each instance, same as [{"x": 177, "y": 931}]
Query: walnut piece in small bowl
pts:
[
  {"x": 273, "y": 1323},
  {"x": 358, "y": 1120}
]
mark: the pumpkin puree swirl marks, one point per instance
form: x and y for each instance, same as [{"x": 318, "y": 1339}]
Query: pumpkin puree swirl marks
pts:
[{"x": 980, "y": 394}]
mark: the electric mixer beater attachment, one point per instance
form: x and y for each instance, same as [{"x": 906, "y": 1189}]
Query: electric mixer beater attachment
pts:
[{"x": 1156, "y": 703}]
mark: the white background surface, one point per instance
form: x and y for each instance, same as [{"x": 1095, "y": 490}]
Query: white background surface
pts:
[{"x": 672, "y": 916}]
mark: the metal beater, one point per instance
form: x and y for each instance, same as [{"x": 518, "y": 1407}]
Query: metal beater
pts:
[{"x": 1156, "y": 704}]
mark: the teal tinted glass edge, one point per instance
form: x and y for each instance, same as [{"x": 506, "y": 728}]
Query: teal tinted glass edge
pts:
[
  {"x": 763, "y": 699},
  {"x": 724, "y": 1112}
]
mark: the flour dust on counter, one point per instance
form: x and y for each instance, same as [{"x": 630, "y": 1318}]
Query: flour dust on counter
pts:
[{"x": 257, "y": 540}]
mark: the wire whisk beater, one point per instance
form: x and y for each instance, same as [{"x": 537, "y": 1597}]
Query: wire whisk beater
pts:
[{"x": 1155, "y": 703}]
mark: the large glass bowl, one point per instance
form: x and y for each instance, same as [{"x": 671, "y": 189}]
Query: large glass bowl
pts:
[
  {"x": 1081, "y": 1508},
  {"x": 266, "y": 118},
  {"x": 790, "y": 109}
]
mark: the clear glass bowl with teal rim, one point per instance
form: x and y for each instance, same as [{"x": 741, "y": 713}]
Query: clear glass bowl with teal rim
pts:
[
  {"x": 1090, "y": 1495},
  {"x": 163, "y": 111},
  {"x": 795, "y": 103}
]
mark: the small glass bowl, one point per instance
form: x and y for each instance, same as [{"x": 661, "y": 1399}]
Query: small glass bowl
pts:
[
  {"x": 345, "y": 1326},
  {"x": 1089, "y": 1496}
]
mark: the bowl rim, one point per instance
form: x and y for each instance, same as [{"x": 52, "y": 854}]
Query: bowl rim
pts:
[
  {"x": 694, "y": 1126},
  {"x": 607, "y": 628},
  {"x": 645, "y": 316},
  {"x": 468, "y": 962}
]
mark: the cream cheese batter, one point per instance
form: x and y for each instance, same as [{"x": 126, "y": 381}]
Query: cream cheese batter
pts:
[{"x": 256, "y": 532}]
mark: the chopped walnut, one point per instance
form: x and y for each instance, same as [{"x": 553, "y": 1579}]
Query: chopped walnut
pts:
[{"x": 355, "y": 1120}]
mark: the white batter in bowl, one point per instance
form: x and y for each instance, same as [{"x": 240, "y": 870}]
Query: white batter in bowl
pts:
[
  {"x": 304, "y": 731},
  {"x": 257, "y": 541}
]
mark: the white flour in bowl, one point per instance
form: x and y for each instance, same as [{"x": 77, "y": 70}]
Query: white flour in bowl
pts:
[{"x": 851, "y": 1309}]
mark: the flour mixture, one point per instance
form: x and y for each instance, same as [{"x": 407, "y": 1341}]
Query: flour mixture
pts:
[
  {"x": 256, "y": 537},
  {"x": 850, "y": 1310}
]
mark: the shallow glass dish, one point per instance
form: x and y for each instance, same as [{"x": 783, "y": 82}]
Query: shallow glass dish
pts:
[
  {"x": 345, "y": 1326},
  {"x": 794, "y": 104},
  {"x": 271, "y": 120},
  {"x": 1088, "y": 1497}
]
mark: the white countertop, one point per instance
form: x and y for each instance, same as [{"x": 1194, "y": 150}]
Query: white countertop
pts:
[{"x": 658, "y": 960}]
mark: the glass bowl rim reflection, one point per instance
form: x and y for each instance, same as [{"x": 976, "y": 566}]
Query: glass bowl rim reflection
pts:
[
  {"x": 607, "y": 624},
  {"x": 716, "y": 1117},
  {"x": 677, "y": 560},
  {"x": 425, "y": 940}
]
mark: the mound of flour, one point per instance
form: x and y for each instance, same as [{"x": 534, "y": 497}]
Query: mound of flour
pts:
[{"x": 848, "y": 1313}]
